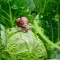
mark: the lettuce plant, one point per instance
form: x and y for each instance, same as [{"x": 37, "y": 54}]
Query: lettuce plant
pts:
[{"x": 24, "y": 46}]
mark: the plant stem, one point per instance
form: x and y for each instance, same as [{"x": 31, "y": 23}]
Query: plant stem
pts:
[
  {"x": 11, "y": 20},
  {"x": 52, "y": 34},
  {"x": 58, "y": 24},
  {"x": 44, "y": 5},
  {"x": 43, "y": 36}
]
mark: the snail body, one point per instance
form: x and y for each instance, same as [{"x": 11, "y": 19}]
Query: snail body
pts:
[{"x": 22, "y": 24}]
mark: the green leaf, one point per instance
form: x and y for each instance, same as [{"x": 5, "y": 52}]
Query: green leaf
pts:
[
  {"x": 3, "y": 36},
  {"x": 4, "y": 55},
  {"x": 53, "y": 59},
  {"x": 14, "y": 6},
  {"x": 57, "y": 17},
  {"x": 40, "y": 5},
  {"x": 31, "y": 5}
]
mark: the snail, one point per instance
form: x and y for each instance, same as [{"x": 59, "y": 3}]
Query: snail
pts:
[{"x": 23, "y": 24}]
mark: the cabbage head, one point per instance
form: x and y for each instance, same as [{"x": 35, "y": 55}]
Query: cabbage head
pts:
[{"x": 25, "y": 46}]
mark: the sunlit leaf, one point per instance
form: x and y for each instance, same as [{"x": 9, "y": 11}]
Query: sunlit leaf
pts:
[{"x": 3, "y": 36}]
